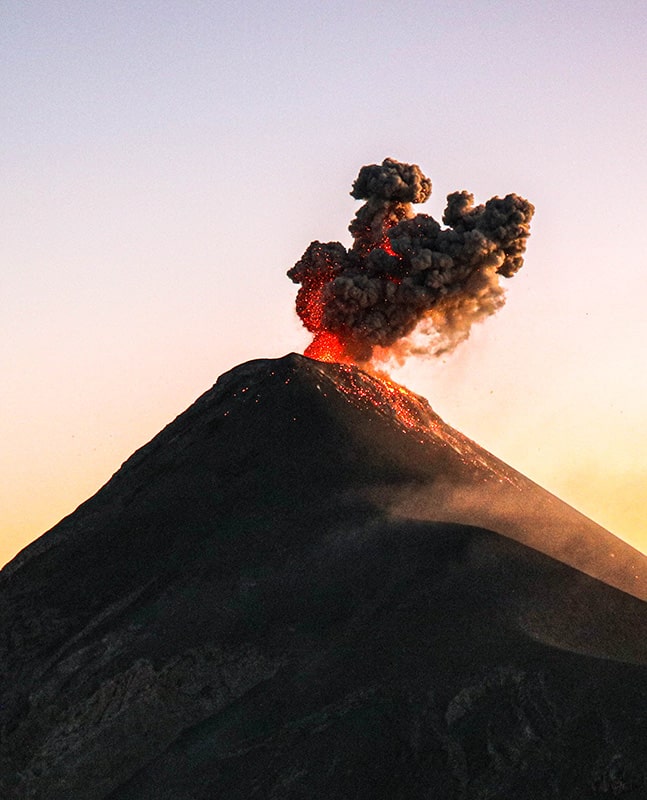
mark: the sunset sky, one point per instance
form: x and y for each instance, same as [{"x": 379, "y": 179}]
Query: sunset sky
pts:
[{"x": 164, "y": 163}]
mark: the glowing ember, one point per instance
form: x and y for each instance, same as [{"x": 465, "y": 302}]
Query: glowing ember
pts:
[
  {"x": 326, "y": 347},
  {"x": 391, "y": 400},
  {"x": 402, "y": 400},
  {"x": 385, "y": 245},
  {"x": 408, "y": 410},
  {"x": 310, "y": 307}
]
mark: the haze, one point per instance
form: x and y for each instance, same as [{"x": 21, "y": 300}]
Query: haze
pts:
[{"x": 164, "y": 165}]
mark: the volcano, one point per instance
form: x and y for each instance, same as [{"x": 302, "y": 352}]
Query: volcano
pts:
[{"x": 309, "y": 586}]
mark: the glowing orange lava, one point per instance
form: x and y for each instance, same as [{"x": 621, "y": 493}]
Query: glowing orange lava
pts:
[
  {"x": 413, "y": 413},
  {"x": 385, "y": 245},
  {"x": 403, "y": 401},
  {"x": 326, "y": 347},
  {"x": 310, "y": 306},
  {"x": 390, "y": 399}
]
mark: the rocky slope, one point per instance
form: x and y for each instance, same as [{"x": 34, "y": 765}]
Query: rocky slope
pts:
[{"x": 308, "y": 585}]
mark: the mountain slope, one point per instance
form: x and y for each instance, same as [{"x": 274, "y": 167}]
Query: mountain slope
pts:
[{"x": 292, "y": 591}]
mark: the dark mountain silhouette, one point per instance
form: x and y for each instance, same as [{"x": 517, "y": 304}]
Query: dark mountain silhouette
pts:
[{"x": 309, "y": 586}]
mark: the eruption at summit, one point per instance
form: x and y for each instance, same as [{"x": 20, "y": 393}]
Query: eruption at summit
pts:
[
  {"x": 405, "y": 271},
  {"x": 309, "y": 585}
]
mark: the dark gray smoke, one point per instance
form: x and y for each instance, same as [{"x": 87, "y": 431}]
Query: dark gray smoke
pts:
[{"x": 406, "y": 271}]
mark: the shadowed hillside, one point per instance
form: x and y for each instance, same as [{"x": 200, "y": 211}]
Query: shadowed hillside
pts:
[{"x": 308, "y": 586}]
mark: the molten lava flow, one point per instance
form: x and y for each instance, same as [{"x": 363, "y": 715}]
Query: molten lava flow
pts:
[
  {"x": 403, "y": 402},
  {"x": 411, "y": 412},
  {"x": 389, "y": 399},
  {"x": 325, "y": 346}
]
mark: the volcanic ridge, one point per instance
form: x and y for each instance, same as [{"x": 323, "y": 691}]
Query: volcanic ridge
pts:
[{"x": 309, "y": 586}]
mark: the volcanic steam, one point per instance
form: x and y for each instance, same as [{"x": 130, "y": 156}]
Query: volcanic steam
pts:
[{"x": 405, "y": 272}]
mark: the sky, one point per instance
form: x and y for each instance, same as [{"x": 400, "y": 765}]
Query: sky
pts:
[{"x": 163, "y": 165}]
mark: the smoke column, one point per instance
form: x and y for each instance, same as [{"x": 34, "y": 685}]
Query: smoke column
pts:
[{"x": 405, "y": 272}]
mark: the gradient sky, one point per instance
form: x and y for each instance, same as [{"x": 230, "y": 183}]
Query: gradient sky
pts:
[{"x": 164, "y": 163}]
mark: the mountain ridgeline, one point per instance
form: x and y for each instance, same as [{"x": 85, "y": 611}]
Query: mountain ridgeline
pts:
[{"x": 309, "y": 586}]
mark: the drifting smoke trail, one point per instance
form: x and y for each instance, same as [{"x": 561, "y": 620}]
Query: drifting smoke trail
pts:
[{"x": 405, "y": 271}]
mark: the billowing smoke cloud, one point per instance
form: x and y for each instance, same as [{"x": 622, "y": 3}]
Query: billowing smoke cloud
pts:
[{"x": 405, "y": 272}]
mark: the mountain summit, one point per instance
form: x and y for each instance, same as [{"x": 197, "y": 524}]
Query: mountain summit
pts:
[{"x": 309, "y": 586}]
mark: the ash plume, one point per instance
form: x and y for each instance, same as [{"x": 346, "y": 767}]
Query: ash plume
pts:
[{"x": 406, "y": 272}]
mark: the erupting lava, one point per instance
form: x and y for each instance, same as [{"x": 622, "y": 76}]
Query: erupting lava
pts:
[
  {"x": 327, "y": 347},
  {"x": 404, "y": 268},
  {"x": 385, "y": 245}
]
